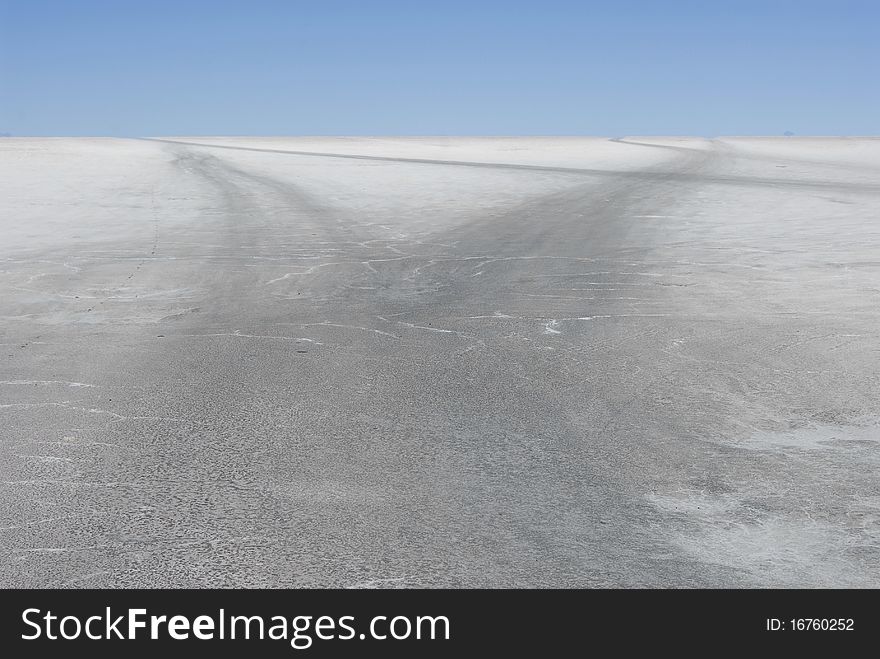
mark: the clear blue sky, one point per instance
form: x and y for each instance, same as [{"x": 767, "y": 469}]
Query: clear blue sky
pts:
[{"x": 439, "y": 67}]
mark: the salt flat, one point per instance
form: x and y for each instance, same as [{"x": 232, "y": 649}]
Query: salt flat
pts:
[{"x": 440, "y": 362}]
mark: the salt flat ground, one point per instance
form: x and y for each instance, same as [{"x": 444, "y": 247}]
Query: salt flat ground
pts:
[{"x": 440, "y": 362}]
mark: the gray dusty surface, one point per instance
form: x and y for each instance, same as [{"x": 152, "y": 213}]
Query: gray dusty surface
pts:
[{"x": 440, "y": 362}]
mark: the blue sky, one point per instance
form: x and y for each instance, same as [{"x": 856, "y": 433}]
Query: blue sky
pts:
[{"x": 430, "y": 67}]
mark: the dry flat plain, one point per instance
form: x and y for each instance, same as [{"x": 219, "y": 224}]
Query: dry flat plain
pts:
[{"x": 359, "y": 362}]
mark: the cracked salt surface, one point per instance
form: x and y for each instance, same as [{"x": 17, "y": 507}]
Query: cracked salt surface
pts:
[
  {"x": 668, "y": 377},
  {"x": 775, "y": 549},
  {"x": 785, "y": 538}
]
